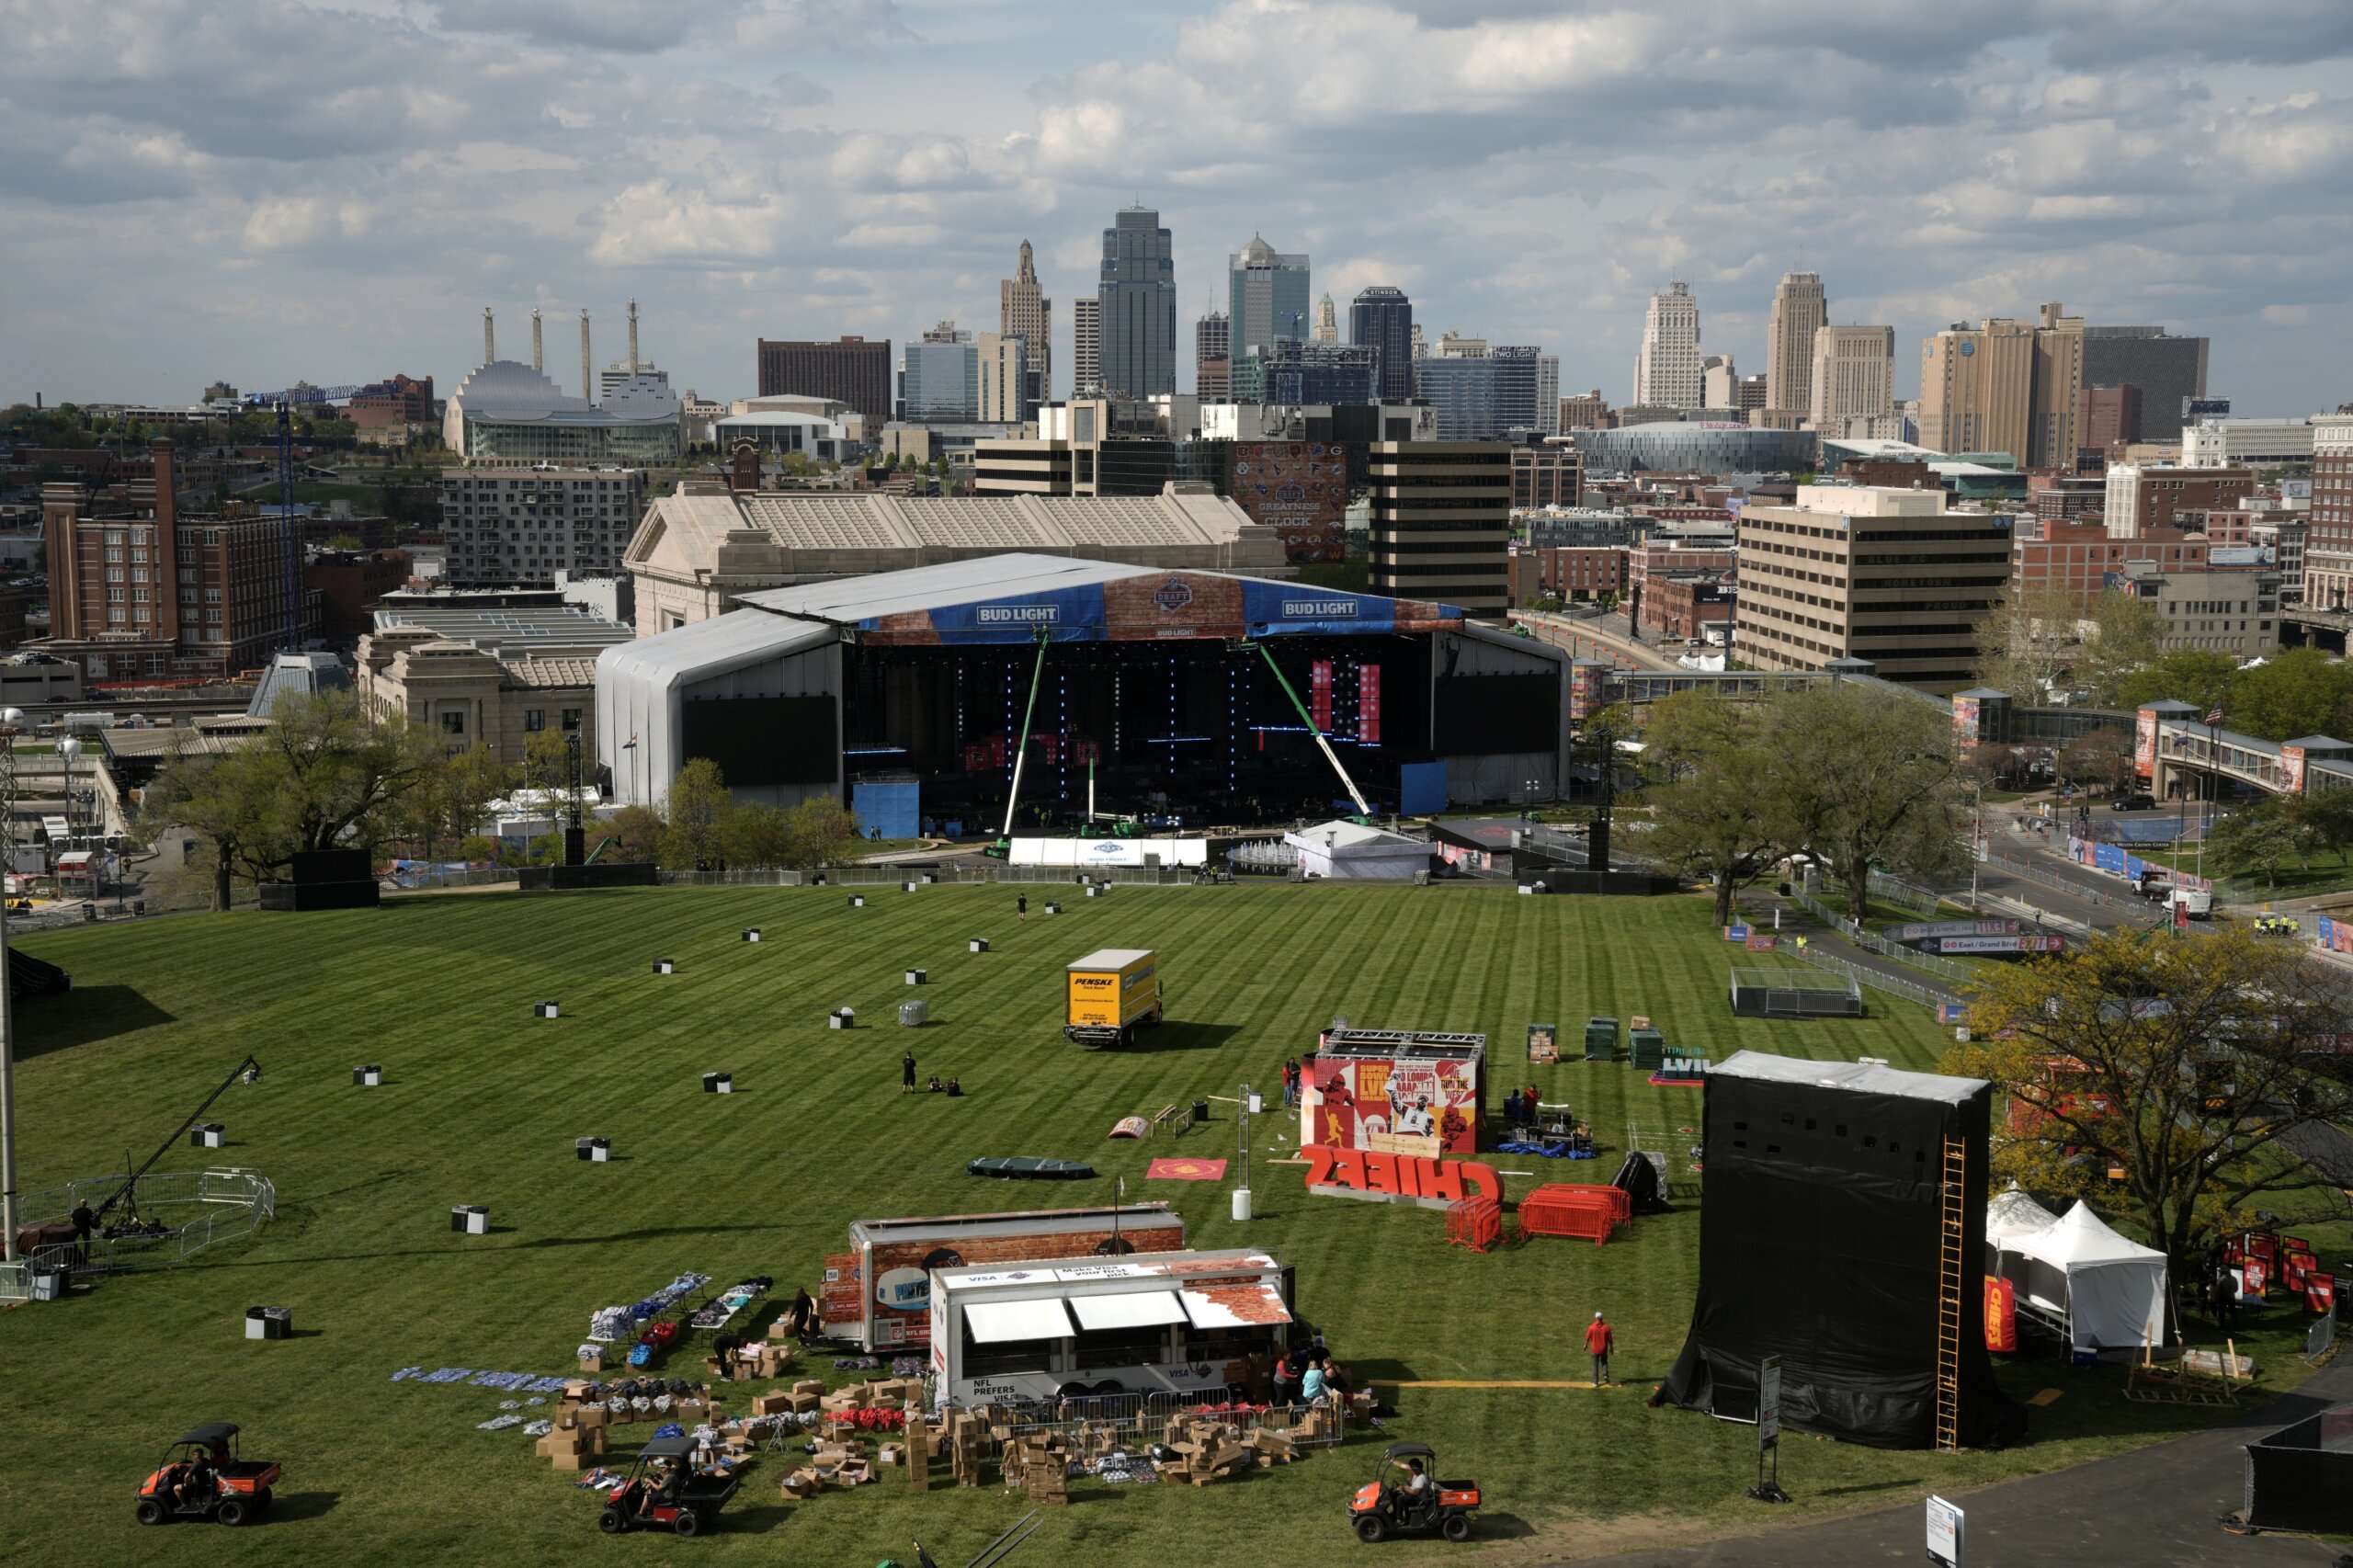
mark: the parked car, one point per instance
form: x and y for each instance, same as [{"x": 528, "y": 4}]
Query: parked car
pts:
[{"x": 2140, "y": 800}]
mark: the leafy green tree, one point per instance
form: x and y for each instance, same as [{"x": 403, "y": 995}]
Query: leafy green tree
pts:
[
  {"x": 1864, "y": 776},
  {"x": 698, "y": 820},
  {"x": 2103, "y": 758},
  {"x": 2199, "y": 677},
  {"x": 819, "y": 831},
  {"x": 2258, "y": 841},
  {"x": 637, "y": 832},
  {"x": 342, "y": 774},
  {"x": 758, "y": 836},
  {"x": 222, "y": 797},
  {"x": 2189, "y": 1063},
  {"x": 2028, "y": 641},
  {"x": 2299, "y": 692},
  {"x": 2327, "y": 816},
  {"x": 1716, "y": 809}
]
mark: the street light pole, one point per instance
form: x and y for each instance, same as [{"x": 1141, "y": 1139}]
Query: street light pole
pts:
[{"x": 8, "y": 717}]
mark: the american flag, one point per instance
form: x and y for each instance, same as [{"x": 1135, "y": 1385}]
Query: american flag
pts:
[{"x": 2213, "y": 716}]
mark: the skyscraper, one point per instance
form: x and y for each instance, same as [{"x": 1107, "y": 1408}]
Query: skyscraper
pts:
[
  {"x": 1463, "y": 391},
  {"x": 1548, "y": 393},
  {"x": 1327, "y": 322},
  {"x": 1086, "y": 345},
  {"x": 1267, "y": 296},
  {"x": 1517, "y": 394},
  {"x": 1854, "y": 375},
  {"x": 1213, "y": 357},
  {"x": 1024, "y": 311},
  {"x": 1382, "y": 317},
  {"x": 2167, "y": 371},
  {"x": 1666, "y": 371},
  {"x": 1800, "y": 310},
  {"x": 1138, "y": 295},
  {"x": 1719, "y": 383},
  {"x": 2004, "y": 385}
]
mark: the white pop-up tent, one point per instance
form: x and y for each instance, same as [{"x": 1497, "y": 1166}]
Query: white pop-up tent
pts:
[
  {"x": 2102, "y": 1291},
  {"x": 1345, "y": 850}
]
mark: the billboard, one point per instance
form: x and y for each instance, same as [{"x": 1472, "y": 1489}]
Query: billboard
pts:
[
  {"x": 1416, "y": 1099},
  {"x": 2144, "y": 743},
  {"x": 2004, "y": 945},
  {"x": 1922, "y": 930},
  {"x": 1300, "y": 489},
  {"x": 1159, "y": 606},
  {"x": 1966, "y": 722}
]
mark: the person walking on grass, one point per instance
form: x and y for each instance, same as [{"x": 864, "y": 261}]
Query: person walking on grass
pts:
[
  {"x": 908, "y": 1074},
  {"x": 1597, "y": 1339},
  {"x": 1021, "y": 908}
]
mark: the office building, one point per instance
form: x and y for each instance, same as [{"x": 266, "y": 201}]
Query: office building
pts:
[
  {"x": 1719, "y": 383},
  {"x": 1853, "y": 376},
  {"x": 137, "y": 591},
  {"x": 1381, "y": 318},
  {"x": 2108, "y": 419},
  {"x": 1024, "y": 311},
  {"x": 1086, "y": 347},
  {"x": 1550, "y": 474},
  {"x": 1583, "y": 411},
  {"x": 2231, "y": 611},
  {"x": 1520, "y": 393},
  {"x": 523, "y": 525},
  {"x": 852, "y": 371},
  {"x": 2004, "y": 385},
  {"x": 1327, "y": 322},
  {"x": 2169, "y": 371},
  {"x": 1575, "y": 573},
  {"x": 1463, "y": 392},
  {"x": 1801, "y": 310},
  {"x": 1441, "y": 522},
  {"x": 2078, "y": 558},
  {"x": 1548, "y": 393},
  {"x": 1009, "y": 382},
  {"x": 1294, "y": 373},
  {"x": 1455, "y": 345},
  {"x": 1893, "y": 576},
  {"x": 1666, "y": 371},
  {"x": 1667, "y": 445},
  {"x": 2142, "y": 498},
  {"x": 1265, "y": 296},
  {"x": 2328, "y": 546},
  {"x": 940, "y": 380},
  {"x": 403, "y": 400},
  {"x": 2233, "y": 443},
  {"x": 1213, "y": 357},
  {"x": 1138, "y": 293}
]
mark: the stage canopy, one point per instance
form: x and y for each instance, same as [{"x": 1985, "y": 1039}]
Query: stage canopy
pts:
[
  {"x": 1350, "y": 851},
  {"x": 2110, "y": 1291}
]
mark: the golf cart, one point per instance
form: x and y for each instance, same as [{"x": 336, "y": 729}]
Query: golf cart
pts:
[
  {"x": 676, "y": 1494},
  {"x": 1381, "y": 1508},
  {"x": 239, "y": 1488}
]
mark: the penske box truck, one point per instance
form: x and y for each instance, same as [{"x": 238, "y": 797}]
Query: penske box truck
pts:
[{"x": 1112, "y": 994}]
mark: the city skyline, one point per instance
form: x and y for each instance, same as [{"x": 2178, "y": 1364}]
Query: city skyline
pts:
[{"x": 334, "y": 194}]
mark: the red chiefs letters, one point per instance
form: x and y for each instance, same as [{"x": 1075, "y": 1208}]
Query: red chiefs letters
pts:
[{"x": 1407, "y": 1176}]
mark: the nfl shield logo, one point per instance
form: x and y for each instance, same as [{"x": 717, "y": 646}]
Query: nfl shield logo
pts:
[{"x": 1173, "y": 594}]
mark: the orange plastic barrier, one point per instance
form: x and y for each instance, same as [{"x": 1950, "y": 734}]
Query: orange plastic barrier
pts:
[
  {"x": 1476, "y": 1223},
  {"x": 2001, "y": 1315},
  {"x": 1616, "y": 1200},
  {"x": 1562, "y": 1210}
]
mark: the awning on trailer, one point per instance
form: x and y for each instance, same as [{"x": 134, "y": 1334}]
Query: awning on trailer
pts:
[
  {"x": 1142, "y": 1309},
  {"x": 1233, "y": 1306},
  {"x": 998, "y": 1323}
]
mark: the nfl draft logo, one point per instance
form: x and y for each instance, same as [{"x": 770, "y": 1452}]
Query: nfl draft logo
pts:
[{"x": 1173, "y": 594}]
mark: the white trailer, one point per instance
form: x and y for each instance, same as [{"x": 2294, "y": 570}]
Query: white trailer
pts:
[{"x": 1178, "y": 1323}]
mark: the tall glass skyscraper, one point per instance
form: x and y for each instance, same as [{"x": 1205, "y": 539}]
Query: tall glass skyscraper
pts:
[
  {"x": 1383, "y": 318},
  {"x": 1267, "y": 301},
  {"x": 1138, "y": 294}
]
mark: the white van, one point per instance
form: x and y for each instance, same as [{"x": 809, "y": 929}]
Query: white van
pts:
[
  {"x": 1153, "y": 1323},
  {"x": 2191, "y": 901}
]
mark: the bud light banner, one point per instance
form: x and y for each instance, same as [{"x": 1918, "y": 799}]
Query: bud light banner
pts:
[{"x": 1145, "y": 606}]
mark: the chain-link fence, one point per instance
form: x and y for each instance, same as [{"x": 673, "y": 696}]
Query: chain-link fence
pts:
[{"x": 1872, "y": 941}]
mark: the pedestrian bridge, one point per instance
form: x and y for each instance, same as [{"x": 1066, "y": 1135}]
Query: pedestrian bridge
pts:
[{"x": 2179, "y": 753}]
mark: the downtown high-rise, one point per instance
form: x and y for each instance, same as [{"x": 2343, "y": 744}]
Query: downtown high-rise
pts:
[
  {"x": 1801, "y": 308},
  {"x": 1383, "y": 317},
  {"x": 1137, "y": 296},
  {"x": 1666, "y": 371},
  {"x": 1024, "y": 311},
  {"x": 1266, "y": 297}
]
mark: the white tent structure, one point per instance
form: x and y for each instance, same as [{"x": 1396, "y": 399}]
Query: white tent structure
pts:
[
  {"x": 2099, "y": 1290},
  {"x": 1346, "y": 851}
]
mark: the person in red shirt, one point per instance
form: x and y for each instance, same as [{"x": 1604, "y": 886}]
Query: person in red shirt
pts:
[{"x": 1597, "y": 1339}]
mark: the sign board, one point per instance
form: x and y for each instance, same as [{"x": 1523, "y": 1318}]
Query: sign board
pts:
[
  {"x": 2025, "y": 944},
  {"x": 1947, "y": 1534},
  {"x": 1769, "y": 1402},
  {"x": 1403, "y": 1175},
  {"x": 1921, "y": 930}
]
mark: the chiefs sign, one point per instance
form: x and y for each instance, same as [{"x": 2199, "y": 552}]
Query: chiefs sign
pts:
[{"x": 1402, "y": 1176}]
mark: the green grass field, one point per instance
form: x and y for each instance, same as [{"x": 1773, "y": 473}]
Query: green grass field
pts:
[{"x": 483, "y": 1104}]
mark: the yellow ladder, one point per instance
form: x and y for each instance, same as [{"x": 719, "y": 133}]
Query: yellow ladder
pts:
[{"x": 1951, "y": 1273}]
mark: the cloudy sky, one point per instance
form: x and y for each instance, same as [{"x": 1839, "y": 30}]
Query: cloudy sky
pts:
[{"x": 333, "y": 190}]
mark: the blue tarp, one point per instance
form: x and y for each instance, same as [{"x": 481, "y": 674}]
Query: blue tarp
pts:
[
  {"x": 1421, "y": 788},
  {"x": 894, "y": 807}
]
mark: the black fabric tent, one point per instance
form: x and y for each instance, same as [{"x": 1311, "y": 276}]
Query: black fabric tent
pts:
[
  {"x": 1637, "y": 1179},
  {"x": 2301, "y": 1477},
  {"x": 1820, "y": 1222},
  {"x": 30, "y": 976}
]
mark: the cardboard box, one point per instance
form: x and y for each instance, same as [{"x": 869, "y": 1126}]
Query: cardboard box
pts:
[
  {"x": 809, "y": 1385},
  {"x": 773, "y": 1403},
  {"x": 593, "y": 1363},
  {"x": 571, "y": 1462},
  {"x": 801, "y": 1483},
  {"x": 594, "y": 1416},
  {"x": 891, "y": 1454}
]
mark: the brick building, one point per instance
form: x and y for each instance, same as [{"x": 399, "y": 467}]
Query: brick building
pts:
[
  {"x": 2328, "y": 544},
  {"x": 1574, "y": 572},
  {"x": 1685, "y": 604},
  {"x": 349, "y": 582},
  {"x": 2066, "y": 497},
  {"x": 403, "y": 400},
  {"x": 2142, "y": 497},
  {"x": 1546, "y": 476},
  {"x": 2080, "y": 557},
  {"x": 138, "y": 592},
  {"x": 2108, "y": 418}
]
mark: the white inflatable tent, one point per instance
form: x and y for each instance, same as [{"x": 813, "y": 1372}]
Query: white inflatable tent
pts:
[
  {"x": 2104, "y": 1292},
  {"x": 1348, "y": 850}
]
